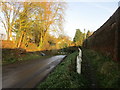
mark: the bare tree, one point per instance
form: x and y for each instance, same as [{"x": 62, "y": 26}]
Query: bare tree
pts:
[{"x": 8, "y": 15}]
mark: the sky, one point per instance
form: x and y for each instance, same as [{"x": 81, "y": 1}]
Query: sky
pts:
[{"x": 87, "y": 15}]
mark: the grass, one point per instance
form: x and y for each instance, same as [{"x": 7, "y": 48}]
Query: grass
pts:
[
  {"x": 14, "y": 55},
  {"x": 107, "y": 70},
  {"x": 12, "y": 59},
  {"x": 65, "y": 75}
]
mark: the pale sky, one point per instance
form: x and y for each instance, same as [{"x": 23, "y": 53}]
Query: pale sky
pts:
[{"x": 88, "y": 15}]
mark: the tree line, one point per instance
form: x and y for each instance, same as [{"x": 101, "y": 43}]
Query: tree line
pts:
[
  {"x": 80, "y": 37},
  {"x": 32, "y": 22}
]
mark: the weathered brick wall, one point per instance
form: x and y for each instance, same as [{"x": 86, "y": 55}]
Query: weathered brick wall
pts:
[{"x": 107, "y": 38}]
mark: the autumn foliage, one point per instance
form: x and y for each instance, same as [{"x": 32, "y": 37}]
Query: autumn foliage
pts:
[{"x": 28, "y": 25}]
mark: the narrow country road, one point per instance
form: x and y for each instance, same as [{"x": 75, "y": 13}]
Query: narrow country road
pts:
[{"x": 27, "y": 75}]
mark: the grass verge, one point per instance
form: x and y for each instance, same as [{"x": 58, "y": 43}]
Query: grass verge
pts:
[
  {"x": 107, "y": 70},
  {"x": 65, "y": 75},
  {"x": 14, "y": 55},
  {"x": 13, "y": 59}
]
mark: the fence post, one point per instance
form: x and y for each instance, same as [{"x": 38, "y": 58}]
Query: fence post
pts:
[{"x": 79, "y": 60}]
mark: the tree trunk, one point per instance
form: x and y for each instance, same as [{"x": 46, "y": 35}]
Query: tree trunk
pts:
[
  {"x": 41, "y": 42},
  {"x": 9, "y": 34},
  {"x": 8, "y": 37},
  {"x": 20, "y": 40}
]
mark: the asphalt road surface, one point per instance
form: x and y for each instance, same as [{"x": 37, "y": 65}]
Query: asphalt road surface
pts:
[{"x": 29, "y": 74}]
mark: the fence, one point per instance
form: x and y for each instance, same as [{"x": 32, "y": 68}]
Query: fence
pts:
[{"x": 107, "y": 38}]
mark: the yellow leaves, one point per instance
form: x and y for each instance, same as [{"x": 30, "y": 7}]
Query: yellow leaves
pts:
[
  {"x": 35, "y": 19},
  {"x": 49, "y": 12},
  {"x": 54, "y": 30}
]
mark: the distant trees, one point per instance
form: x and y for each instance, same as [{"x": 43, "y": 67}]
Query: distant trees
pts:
[
  {"x": 80, "y": 37},
  {"x": 63, "y": 41},
  {"x": 88, "y": 34}
]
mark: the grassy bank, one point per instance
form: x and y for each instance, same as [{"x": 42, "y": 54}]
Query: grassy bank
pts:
[
  {"x": 107, "y": 71},
  {"x": 12, "y": 55},
  {"x": 18, "y": 55},
  {"x": 64, "y": 75}
]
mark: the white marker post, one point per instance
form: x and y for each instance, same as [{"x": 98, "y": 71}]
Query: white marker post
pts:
[{"x": 79, "y": 60}]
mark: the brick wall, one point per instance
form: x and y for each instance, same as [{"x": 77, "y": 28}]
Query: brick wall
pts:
[{"x": 107, "y": 38}]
